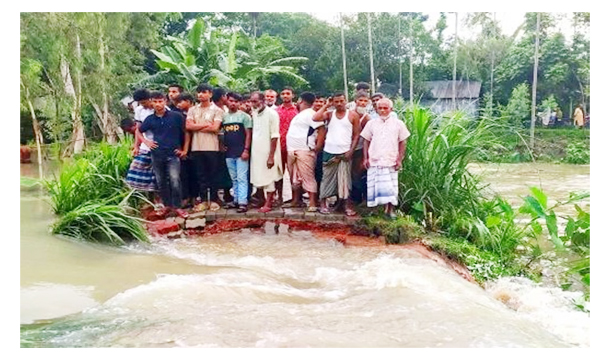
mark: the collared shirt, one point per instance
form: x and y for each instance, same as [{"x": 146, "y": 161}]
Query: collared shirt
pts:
[
  {"x": 384, "y": 135},
  {"x": 286, "y": 115},
  {"x": 168, "y": 131},
  {"x": 204, "y": 141}
]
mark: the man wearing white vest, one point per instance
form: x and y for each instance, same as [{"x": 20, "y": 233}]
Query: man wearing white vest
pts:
[{"x": 342, "y": 135}]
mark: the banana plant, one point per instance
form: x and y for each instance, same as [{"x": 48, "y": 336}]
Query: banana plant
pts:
[{"x": 222, "y": 57}]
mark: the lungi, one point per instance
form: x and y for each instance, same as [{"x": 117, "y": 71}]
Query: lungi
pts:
[
  {"x": 140, "y": 175},
  {"x": 301, "y": 167},
  {"x": 382, "y": 186},
  {"x": 336, "y": 176}
]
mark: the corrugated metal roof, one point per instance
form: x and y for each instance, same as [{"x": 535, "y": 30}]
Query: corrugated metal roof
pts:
[{"x": 444, "y": 89}]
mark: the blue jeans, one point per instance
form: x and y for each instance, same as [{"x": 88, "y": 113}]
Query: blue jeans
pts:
[
  {"x": 167, "y": 174},
  {"x": 238, "y": 170}
]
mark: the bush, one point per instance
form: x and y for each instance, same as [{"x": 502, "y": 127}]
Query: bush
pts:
[{"x": 577, "y": 153}]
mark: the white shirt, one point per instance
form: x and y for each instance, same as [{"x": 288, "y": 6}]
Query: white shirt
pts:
[
  {"x": 140, "y": 113},
  {"x": 298, "y": 137}
]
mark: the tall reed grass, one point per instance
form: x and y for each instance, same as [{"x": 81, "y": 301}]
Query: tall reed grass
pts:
[{"x": 436, "y": 187}]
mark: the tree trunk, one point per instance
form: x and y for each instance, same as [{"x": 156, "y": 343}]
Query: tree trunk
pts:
[
  {"x": 37, "y": 131},
  {"x": 108, "y": 128},
  {"x": 371, "y": 53},
  {"x": 77, "y": 142}
]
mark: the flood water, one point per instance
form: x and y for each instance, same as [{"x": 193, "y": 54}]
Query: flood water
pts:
[{"x": 261, "y": 289}]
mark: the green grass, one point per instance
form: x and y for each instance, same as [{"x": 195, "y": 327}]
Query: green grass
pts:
[
  {"x": 100, "y": 222},
  {"x": 92, "y": 199}
]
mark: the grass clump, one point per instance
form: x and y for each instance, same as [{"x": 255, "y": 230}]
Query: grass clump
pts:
[
  {"x": 399, "y": 231},
  {"x": 92, "y": 199}
]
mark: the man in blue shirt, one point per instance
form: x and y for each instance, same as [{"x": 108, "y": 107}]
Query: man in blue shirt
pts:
[{"x": 167, "y": 148}]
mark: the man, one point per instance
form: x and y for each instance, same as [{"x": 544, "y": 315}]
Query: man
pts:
[
  {"x": 237, "y": 126},
  {"x": 140, "y": 175},
  {"x": 223, "y": 179},
  {"x": 204, "y": 120},
  {"x": 374, "y": 99},
  {"x": 320, "y": 136},
  {"x": 219, "y": 98},
  {"x": 172, "y": 94},
  {"x": 579, "y": 117},
  {"x": 265, "y": 158},
  {"x": 358, "y": 193},
  {"x": 245, "y": 104},
  {"x": 287, "y": 111},
  {"x": 301, "y": 147},
  {"x": 128, "y": 126},
  {"x": 384, "y": 150},
  {"x": 362, "y": 87},
  {"x": 270, "y": 98},
  {"x": 342, "y": 134},
  {"x": 167, "y": 150},
  {"x": 188, "y": 175}
]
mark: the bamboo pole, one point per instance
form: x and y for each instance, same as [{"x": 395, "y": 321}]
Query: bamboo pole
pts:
[
  {"x": 455, "y": 61},
  {"x": 411, "y": 60},
  {"x": 399, "y": 60},
  {"x": 371, "y": 53},
  {"x": 535, "y": 83},
  {"x": 344, "y": 60},
  {"x": 493, "y": 52}
]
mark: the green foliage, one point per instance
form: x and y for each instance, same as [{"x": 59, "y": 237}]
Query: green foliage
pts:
[
  {"x": 92, "y": 199},
  {"x": 577, "y": 153},
  {"x": 551, "y": 145},
  {"x": 95, "y": 175},
  {"x": 435, "y": 178},
  {"x": 575, "y": 239},
  {"x": 483, "y": 265},
  {"x": 518, "y": 109},
  {"x": 399, "y": 231},
  {"x": 548, "y": 104},
  {"x": 223, "y": 57},
  {"x": 101, "y": 221}
]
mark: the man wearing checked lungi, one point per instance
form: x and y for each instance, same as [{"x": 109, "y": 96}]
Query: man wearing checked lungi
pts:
[{"x": 385, "y": 141}]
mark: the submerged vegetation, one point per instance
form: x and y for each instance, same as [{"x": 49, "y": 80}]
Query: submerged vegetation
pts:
[{"x": 91, "y": 198}]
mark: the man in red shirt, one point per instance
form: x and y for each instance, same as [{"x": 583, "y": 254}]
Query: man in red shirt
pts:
[{"x": 287, "y": 111}]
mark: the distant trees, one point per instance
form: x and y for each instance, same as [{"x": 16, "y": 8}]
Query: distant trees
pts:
[{"x": 75, "y": 67}]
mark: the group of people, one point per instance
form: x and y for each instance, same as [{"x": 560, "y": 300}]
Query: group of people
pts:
[{"x": 189, "y": 151}]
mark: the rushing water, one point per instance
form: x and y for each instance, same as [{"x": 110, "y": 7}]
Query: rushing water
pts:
[{"x": 259, "y": 289}]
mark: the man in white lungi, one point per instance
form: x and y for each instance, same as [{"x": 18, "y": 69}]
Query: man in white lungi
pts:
[{"x": 385, "y": 141}]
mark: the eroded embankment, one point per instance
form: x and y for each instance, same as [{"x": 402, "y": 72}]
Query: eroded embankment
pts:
[{"x": 348, "y": 231}]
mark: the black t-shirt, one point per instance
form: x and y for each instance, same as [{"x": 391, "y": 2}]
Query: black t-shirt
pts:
[
  {"x": 168, "y": 131},
  {"x": 234, "y": 126}
]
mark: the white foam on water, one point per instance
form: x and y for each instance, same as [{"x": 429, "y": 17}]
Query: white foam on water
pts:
[
  {"x": 550, "y": 307},
  {"x": 59, "y": 300}
]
